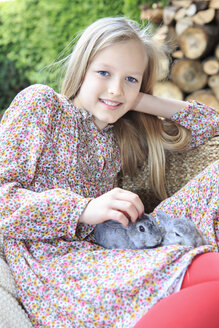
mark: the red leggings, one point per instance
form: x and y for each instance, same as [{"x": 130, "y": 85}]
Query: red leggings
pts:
[{"x": 196, "y": 305}]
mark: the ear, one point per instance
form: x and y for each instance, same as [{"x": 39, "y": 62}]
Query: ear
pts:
[
  {"x": 164, "y": 219},
  {"x": 163, "y": 216}
]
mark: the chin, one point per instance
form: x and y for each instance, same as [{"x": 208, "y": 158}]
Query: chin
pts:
[{"x": 106, "y": 121}]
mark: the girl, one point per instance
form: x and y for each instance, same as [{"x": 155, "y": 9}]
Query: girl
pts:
[{"x": 60, "y": 155}]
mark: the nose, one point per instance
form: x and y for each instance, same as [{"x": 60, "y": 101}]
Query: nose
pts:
[{"x": 115, "y": 87}]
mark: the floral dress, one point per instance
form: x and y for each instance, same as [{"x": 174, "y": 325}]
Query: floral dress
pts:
[{"x": 53, "y": 161}]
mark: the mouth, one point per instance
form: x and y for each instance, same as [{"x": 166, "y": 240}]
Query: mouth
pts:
[
  {"x": 158, "y": 244},
  {"x": 150, "y": 247},
  {"x": 110, "y": 104}
]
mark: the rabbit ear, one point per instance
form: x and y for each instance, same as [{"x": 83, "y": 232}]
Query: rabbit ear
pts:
[{"x": 163, "y": 217}]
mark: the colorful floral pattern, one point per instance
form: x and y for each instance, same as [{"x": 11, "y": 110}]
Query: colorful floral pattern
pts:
[{"x": 53, "y": 161}]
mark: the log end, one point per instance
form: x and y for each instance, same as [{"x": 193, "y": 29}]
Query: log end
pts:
[{"x": 206, "y": 97}]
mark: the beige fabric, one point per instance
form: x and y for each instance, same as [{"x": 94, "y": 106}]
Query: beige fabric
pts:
[
  {"x": 181, "y": 167},
  {"x": 12, "y": 314}
]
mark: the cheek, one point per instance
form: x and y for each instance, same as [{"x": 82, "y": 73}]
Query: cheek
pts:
[
  {"x": 133, "y": 94},
  {"x": 91, "y": 87}
]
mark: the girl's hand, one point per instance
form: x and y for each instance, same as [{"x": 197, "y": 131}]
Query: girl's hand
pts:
[{"x": 117, "y": 204}]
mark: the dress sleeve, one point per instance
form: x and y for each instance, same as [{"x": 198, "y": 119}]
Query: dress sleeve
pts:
[
  {"x": 24, "y": 213},
  {"x": 201, "y": 120}
]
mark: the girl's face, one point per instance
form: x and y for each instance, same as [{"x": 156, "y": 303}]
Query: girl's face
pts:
[{"x": 112, "y": 82}]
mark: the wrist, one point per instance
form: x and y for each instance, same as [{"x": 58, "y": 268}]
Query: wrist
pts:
[
  {"x": 83, "y": 217},
  {"x": 138, "y": 106}
]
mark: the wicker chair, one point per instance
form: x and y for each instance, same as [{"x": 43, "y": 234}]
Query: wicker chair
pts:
[{"x": 180, "y": 168}]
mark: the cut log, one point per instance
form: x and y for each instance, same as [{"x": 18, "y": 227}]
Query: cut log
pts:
[
  {"x": 206, "y": 97},
  {"x": 191, "y": 10},
  {"x": 144, "y": 6},
  {"x": 201, "y": 4},
  {"x": 188, "y": 75},
  {"x": 164, "y": 68},
  {"x": 156, "y": 5},
  {"x": 153, "y": 15},
  {"x": 204, "y": 16},
  {"x": 198, "y": 41},
  {"x": 211, "y": 66},
  {"x": 178, "y": 54},
  {"x": 214, "y": 4},
  {"x": 169, "y": 13},
  {"x": 167, "y": 89},
  {"x": 194, "y": 49},
  {"x": 213, "y": 83},
  {"x": 217, "y": 17},
  {"x": 181, "y": 13},
  {"x": 166, "y": 36},
  {"x": 182, "y": 3},
  {"x": 161, "y": 34},
  {"x": 183, "y": 24},
  {"x": 217, "y": 52}
]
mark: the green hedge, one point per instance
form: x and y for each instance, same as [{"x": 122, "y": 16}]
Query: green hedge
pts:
[{"x": 33, "y": 33}]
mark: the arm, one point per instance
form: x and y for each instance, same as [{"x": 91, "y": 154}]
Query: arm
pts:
[
  {"x": 200, "y": 119},
  {"x": 50, "y": 213},
  {"x": 25, "y": 213},
  {"x": 163, "y": 107}
]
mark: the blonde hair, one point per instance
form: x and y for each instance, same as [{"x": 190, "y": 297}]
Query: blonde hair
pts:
[{"x": 138, "y": 134}]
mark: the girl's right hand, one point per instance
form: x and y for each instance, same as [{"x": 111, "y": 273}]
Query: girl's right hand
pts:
[{"x": 117, "y": 204}]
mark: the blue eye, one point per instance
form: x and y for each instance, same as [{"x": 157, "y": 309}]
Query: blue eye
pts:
[
  {"x": 103, "y": 73},
  {"x": 131, "y": 79}
]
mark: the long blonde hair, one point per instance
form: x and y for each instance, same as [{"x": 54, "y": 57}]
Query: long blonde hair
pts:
[{"x": 139, "y": 135}]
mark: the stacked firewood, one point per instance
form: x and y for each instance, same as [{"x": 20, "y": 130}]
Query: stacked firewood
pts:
[{"x": 190, "y": 31}]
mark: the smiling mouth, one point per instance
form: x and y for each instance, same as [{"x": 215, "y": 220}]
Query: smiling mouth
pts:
[{"x": 110, "y": 103}]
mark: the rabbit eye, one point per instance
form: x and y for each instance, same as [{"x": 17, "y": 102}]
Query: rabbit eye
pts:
[
  {"x": 177, "y": 234},
  {"x": 141, "y": 228}
]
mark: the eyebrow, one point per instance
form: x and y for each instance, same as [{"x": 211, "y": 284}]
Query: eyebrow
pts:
[{"x": 104, "y": 65}]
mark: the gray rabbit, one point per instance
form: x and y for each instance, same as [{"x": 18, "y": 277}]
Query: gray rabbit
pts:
[
  {"x": 180, "y": 231},
  {"x": 146, "y": 233}
]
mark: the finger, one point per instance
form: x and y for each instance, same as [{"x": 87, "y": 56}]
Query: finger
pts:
[
  {"x": 127, "y": 208},
  {"x": 119, "y": 217},
  {"x": 126, "y": 195}
]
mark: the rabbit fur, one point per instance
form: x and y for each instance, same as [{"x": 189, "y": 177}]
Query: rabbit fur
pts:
[
  {"x": 180, "y": 231},
  {"x": 146, "y": 233}
]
